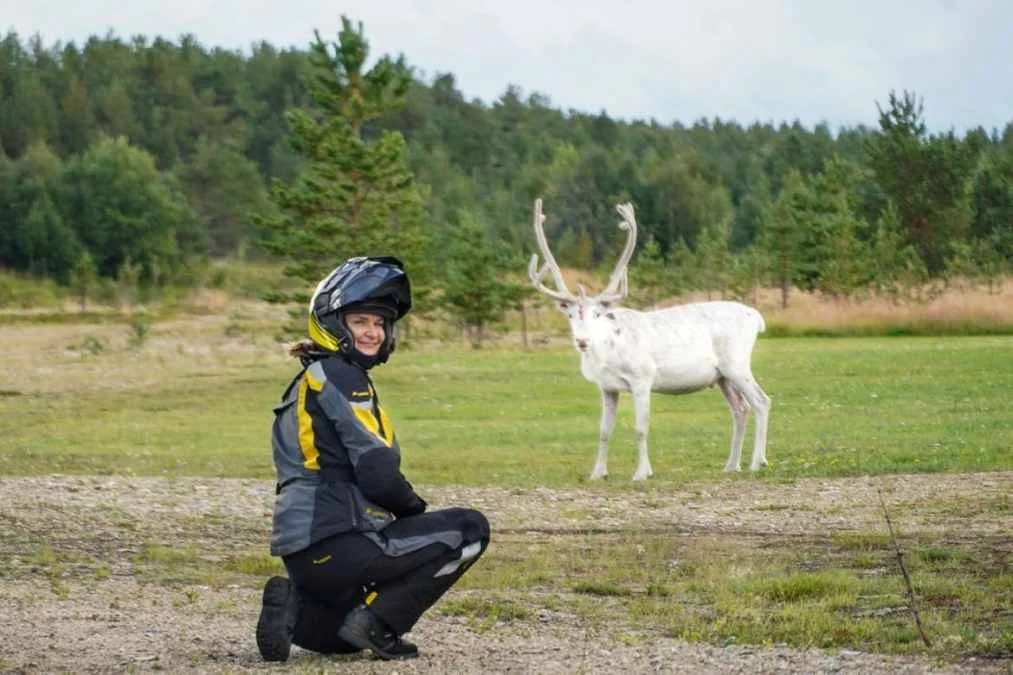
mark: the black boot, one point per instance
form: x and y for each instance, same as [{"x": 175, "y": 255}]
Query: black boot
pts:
[
  {"x": 365, "y": 631},
  {"x": 277, "y": 621}
]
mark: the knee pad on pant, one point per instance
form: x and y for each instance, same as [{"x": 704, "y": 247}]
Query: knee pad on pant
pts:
[{"x": 474, "y": 525}]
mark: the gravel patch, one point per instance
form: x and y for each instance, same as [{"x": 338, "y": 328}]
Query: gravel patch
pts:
[{"x": 97, "y": 614}]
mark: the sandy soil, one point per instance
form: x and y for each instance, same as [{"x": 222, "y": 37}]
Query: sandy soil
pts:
[{"x": 71, "y": 598}]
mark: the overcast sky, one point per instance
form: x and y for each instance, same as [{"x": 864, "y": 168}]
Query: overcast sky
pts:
[{"x": 670, "y": 60}]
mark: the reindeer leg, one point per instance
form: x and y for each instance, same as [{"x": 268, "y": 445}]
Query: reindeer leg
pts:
[
  {"x": 609, "y": 404},
  {"x": 740, "y": 410},
  {"x": 760, "y": 403},
  {"x": 762, "y": 407},
  {"x": 642, "y": 405}
]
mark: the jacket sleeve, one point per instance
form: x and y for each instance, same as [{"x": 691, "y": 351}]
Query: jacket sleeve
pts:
[
  {"x": 377, "y": 465},
  {"x": 378, "y": 473}
]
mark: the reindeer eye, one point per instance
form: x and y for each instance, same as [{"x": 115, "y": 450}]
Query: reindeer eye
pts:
[{"x": 564, "y": 305}]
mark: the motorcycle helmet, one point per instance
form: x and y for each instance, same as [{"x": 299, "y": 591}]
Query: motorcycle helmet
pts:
[{"x": 377, "y": 285}]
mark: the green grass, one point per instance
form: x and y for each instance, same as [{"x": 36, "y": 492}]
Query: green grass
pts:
[
  {"x": 184, "y": 565},
  {"x": 725, "y": 590},
  {"x": 842, "y": 407},
  {"x": 483, "y": 612}
]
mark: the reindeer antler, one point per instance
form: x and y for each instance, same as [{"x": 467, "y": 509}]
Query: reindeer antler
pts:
[
  {"x": 618, "y": 286},
  {"x": 561, "y": 292}
]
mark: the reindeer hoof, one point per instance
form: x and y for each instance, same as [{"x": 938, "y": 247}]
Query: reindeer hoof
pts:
[
  {"x": 599, "y": 476},
  {"x": 733, "y": 468}
]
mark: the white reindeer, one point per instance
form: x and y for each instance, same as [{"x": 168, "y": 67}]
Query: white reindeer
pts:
[{"x": 676, "y": 350}]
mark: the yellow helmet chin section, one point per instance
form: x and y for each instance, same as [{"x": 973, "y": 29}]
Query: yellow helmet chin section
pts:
[{"x": 320, "y": 335}]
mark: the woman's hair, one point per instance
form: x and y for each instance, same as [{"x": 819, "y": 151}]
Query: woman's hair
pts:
[
  {"x": 306, "y": 350},
  {"x": 301, "y": 347}
]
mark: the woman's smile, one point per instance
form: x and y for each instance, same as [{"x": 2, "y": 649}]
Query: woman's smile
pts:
[{"x": 367, "y": 331}]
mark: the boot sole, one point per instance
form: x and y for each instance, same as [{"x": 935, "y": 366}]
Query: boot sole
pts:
[
  {"x": 271, "y": 642},
  {"x": 357, "y": 639}
]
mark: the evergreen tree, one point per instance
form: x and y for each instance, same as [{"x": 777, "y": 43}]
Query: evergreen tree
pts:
[
  {"x": 83, "y": 278},
  {"x": 832, "y": 245},
  {"x": 75, "y": 118},
  {"x": 781, "y": 236},
  {"x": 683, "y": 270},
  {"x": 475, "y": 292},
  {"x": 48, "y": 245},
  {"x": 746, "y": 274},
  {"x": 927, "y": 177},
  {"x": 713, "y": 257},
  {"x": 647, "y": 273},
  {"x": 893, "y": 264},
  {"x": 355, "y": 195},
  {"x": 225, "y": 189},
  {"x": 114, "y": 112},
  {"x": 841, "y": 264},
  {"x": 992, "y": 201}
]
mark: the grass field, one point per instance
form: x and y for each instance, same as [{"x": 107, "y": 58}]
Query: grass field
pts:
[
  {"x": 194, "y": 400},
  {"x": 193, "y": 397}
]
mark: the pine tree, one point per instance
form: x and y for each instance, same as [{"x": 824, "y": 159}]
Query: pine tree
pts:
[
  {"x": 474, "y": 291},
  {"x": 928, "y": 177},
  {"x": 890, "y": 259},
  {"x": 647, "y": 273},
  {"x": 748, "y": 267},
  {"x": 713, "y": 257},
  {"x": 355, "y": 195},
  {"x": 683, "y": 270},
  {"x": 83, "y": 278},
  {"x": 833, "y": 244},
  {"x": 782, "y": 232}
]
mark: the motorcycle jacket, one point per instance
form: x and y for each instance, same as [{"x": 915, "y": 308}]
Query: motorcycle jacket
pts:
[{"x": 337, "y": 459}]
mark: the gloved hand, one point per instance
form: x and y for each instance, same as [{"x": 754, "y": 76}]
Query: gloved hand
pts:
[{"x": 415, "y": 509}]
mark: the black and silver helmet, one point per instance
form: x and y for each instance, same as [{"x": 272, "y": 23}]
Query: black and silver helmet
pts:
[{"x": 378, "y": 285}]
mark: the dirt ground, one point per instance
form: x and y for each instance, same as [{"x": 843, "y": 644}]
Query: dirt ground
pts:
[{"x": 71, "y": 599}]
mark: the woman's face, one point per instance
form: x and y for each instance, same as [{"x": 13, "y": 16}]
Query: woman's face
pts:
[{"x": 367, "y": 331}]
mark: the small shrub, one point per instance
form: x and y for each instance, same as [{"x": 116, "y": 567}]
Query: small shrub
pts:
[
  {"x": 935, "y": 554},
  {"x": 140, "y": 328},
  {"x": 493, "y": 609},
  {"x": 601, "y": 588},
  {"x": 258, "y": 565},
  {"x": 90, "y": 344},
  {"x": 797, "y": 587},
  {"x": 860, "y": 541}
]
